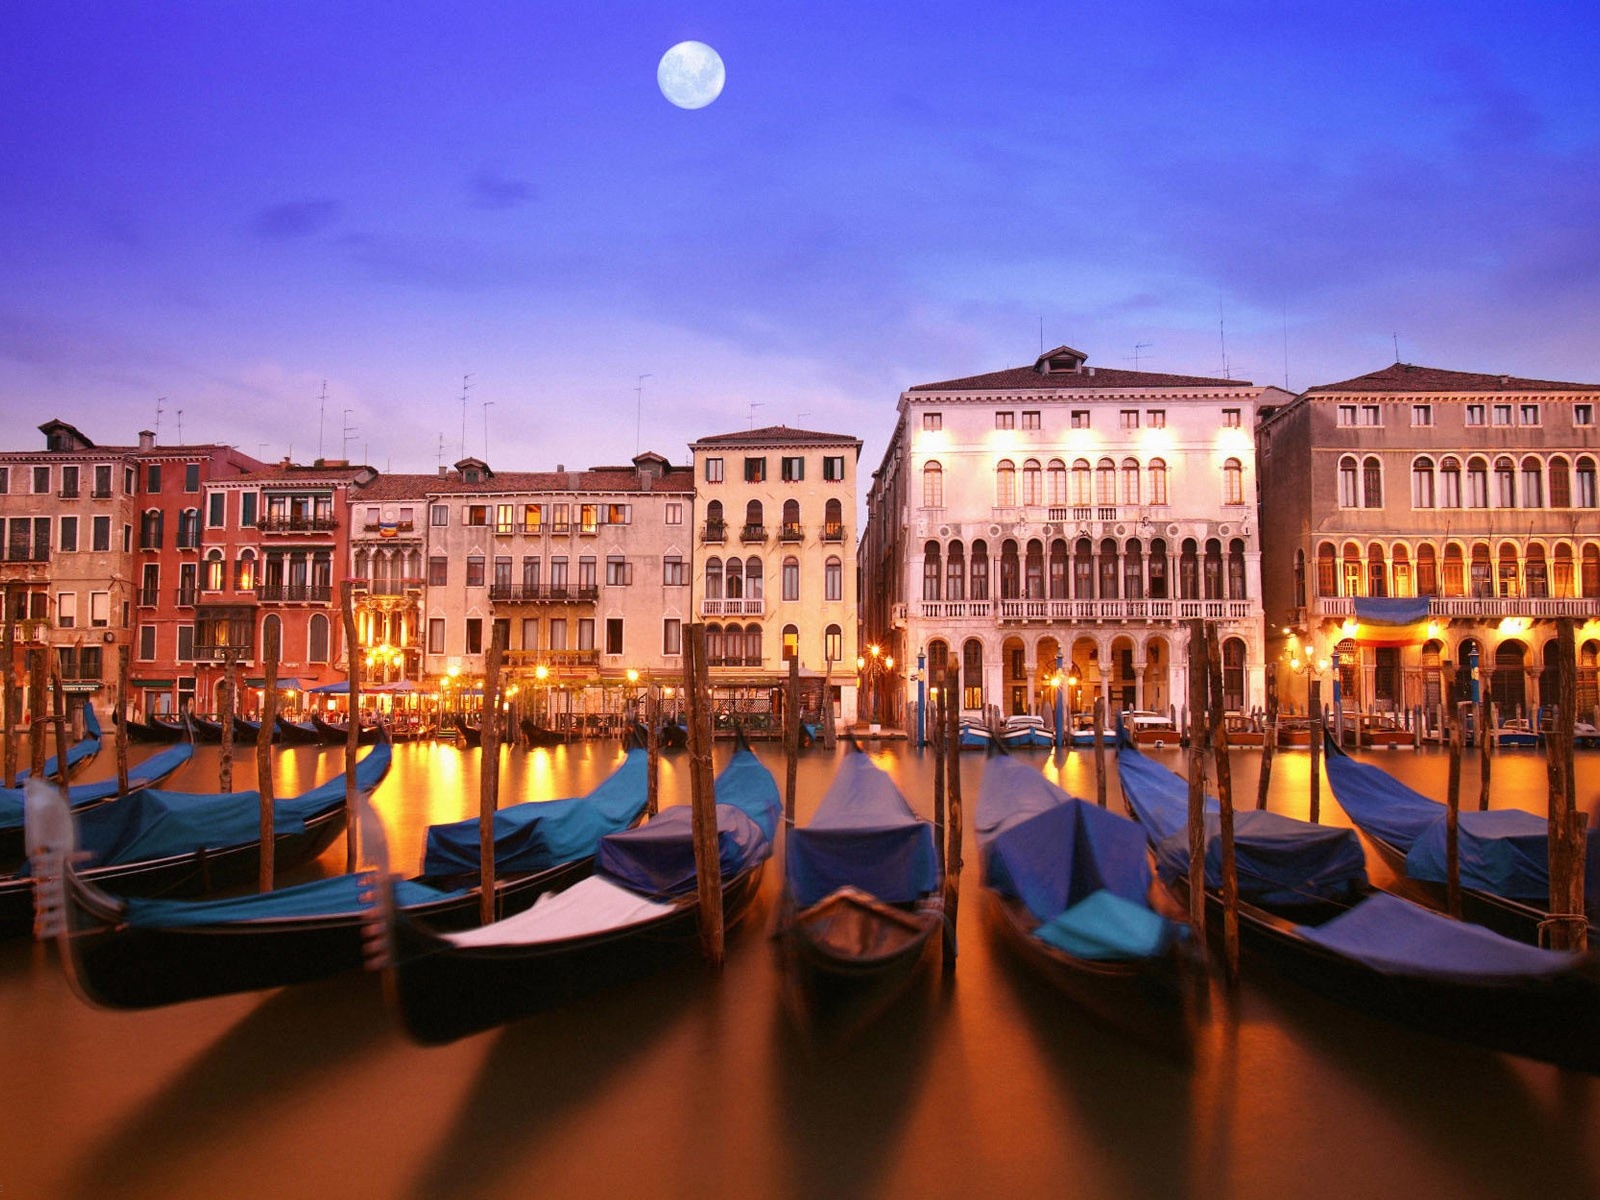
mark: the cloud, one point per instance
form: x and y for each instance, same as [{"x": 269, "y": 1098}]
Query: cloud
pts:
[
  {"x": 493, "y": 191},
  {"x": 294, "y": 219}
]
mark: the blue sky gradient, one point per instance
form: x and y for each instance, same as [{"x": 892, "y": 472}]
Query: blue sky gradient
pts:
[{"x": 228, "y": 204}]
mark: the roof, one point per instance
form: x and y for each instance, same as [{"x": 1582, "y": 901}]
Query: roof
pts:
[
  {"x": 777, "y": 435},
  {"x": 1407, "y": 377},
  {"x": 594, "y": 480},
  {"x": 1066, "y": 369}
]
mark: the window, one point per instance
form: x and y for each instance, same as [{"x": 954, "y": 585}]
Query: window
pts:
[
  {"x": 474, "y": 635},
  {"x": 215, "y": 571},
  {"x": 791, "y": 578},
  {"x": 933, "y": 485},
  {"x": 755, "y": 470},
  {"x": 1477, "y": 483},
  {"x": 1232, "y": 482},
  {"x": 530, "y": 573},
  {"x": 1130, "y": 481},
  {"x": 619, "y": 572},
  {"x": 477, "y": 515},
  {"x": 1450, "y": 483},
  {"x": 99, "y": 609},
  {"x": 832, "y": 643},
  {"x": 102, "y": 481},
  {"x": 216, "y": 510},
  {"x": 1528, "y": 414},
  {"x": 1230, "y": 418},
  {"x": 1005, "y": 420},
  {"x": 833, "y": 579},
  {"x": 69, "y": 481},
  {"x": 67, "y": 609},
  {"x": 1130, "y": 418},
  {"x": 1422, "y": 414},
  {"x": 101, "y": 534},
  {"x": 558, "y": 574},
  {"x": 1582, "y": 414},
  {"x": 586, "y": 571},
  {"x": 247, "y": 510},
  {"x": 1505, "y": 483},
  {"x": 435, "y": 635},
  {"x": 560, "y": 518},
  {"x": 932, "y": 422},
  {"x": 1347, "y": 414},
  {"x": 672, "y": 513},
  {"x": 588, "y": 518},
  {"x": 1371, "y": 483},
  {"x": 1560, "y": 484},
  {"x": 1586, "y": 484},
  {"x": 791, "y": 642},
  {"x": 191, "y": 477},
  {"x": 502, "y": 571},
  {"x": 793, "y": 468},
  {"x": 147, "y": 643},
  {"x": 1475, "y": 414},
  {"x": 5, "y": 481},
  {"x": 585, "y": 633},
  {"x": 69, "y": 533},
  {"x": 1371, "y": 414},
  {"x": 613, "y": 635},
  {"x": 1422, "y": 483},
  {"x": 438, "y": 515},
  {"x": 833, "y": 468},
  {"x": 244, "y": 572},
  {"x": 1532, "y": 483},
  {"x": 1502, "y": 414},
  {"x": 1347, "y": 483},
  {"x": 1032, "y": 482},
  {"x": 474, "y": 570},
  {"x": 672, "y": 636},
  {"x": 713, "y": 470},
  {"x": 1079, "y": 418},
  {"x": 1005, "y": 483},
  {"x": 504, "y": 520},
  {"x": 1158, "y": 481},
  {"x": 438, "y": 571},
  {"x": 558, "y": 633},
  {"x": 41, "y": 481},
  {"x": 1030, "y": 420},
  {"x": 1155, "y": 418},
  {"x": 1105, "y": 482}
]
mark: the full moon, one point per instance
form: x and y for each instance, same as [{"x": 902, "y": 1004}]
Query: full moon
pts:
[{"x": 691, "y": 75}]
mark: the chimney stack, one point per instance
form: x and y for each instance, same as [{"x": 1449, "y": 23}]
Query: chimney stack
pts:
[{"x": 147, "y": 439}]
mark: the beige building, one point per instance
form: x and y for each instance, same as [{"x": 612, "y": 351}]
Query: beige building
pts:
[
  {"x": 1053, "y": 524},
  {"x": 775, "y": 567},
  {"x": 1476, "y": 493}
]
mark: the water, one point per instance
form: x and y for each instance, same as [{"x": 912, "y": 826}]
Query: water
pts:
[{"x": 695, "y": 1084}]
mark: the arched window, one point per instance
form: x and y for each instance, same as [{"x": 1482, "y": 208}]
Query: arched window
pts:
[
  {"x": 791, "y": 520},
  {"x": 1005, "y": 484},
  {"x": 955, "y": 574},
  {"x": 1532, "y": 482},
  {"x": 972, "y": 674},
  {"x": 215, "y": 570},
  {"x": 715, "y": 524},
  {"x": 930, "y": 571},
  {"x": 1010, "y": 574},
  {"x": 1233, "y": 482},
  {"x": 1158, "y": 481},
  {"x": 791, "y": 578},
  {"x": 1213, "y": 569},
  {"x": 1056, "y": 482},
  {"x": 716, "y": 645},
  {"x": 1327, "y": 570},
  {"x": 754, "y": 521},
  {"x": 1585, "y": 481},
  {"x": 734, "y": 583},
  {"x": 832, "y": 521},
  {"x": 752, "y": 578},
  {"x": 1130, "y": 481},
  {"x": 1377, "y": 574},
  {"x": 1591, "y": 572},
  {"x": 1349, "y": 497},
  {"x": 833, "y": 579},
  {"x": 1082, "y": 490},
  {"x": 1535, "y": 577},
  {"x": 1236, "y": 585},
  {"x": 1400, "y": 572},
  {"x": 1507, "y": 575},
  {"x": 713, "y": 578},
  {"x": 1157, "y": 571},
  {"x": 244, "y": 572},
  {"x": 791, "y": 642},
  {"x": 1449, "y": 483},
  {"x": 752, "y": 646},
  {"x": 832, "y": 643},
  {"x": 1353, "y": 582},
  {"x": 1372, "y": 483},
  {"x": 1108, "y": 569},
  {"x": 1477, "y": 483},
  {"x": 1105, "y": 482},
  {"x": 1561, "y": 576},
  {"x": 1133, "y": 570},
  {"x": 1083, "y": 570},
  {"x": 1422, "y": 483},
  {"x": 1033, "y": 570},
  {"x": 317, "y": 639},
  {"x": 1189, "y": 571},
  {"x": 1233, "y": 675},
  {"x": 1453, "y": 579},
  {"x": 1032, "y": 483},
  {"x": 1505, "y": 483},
  {"x": 1058, "y": 569},
  {"x": 1482, "y": 572},
  {"x": 1560, "y": 483},
  {"x": 933, "y": 485},
  {"x": 274, "y": 622}
]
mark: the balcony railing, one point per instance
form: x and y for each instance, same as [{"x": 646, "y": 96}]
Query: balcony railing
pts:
[
  {"x": 791, "y": 531},
  {"x": 380, "y": 526},
  {"x": 186, "y": 596},
  {"x": 17, "y": 553},
  {"x": 732, "y": 660},
  {"x": 282, "y": 593},
  {"x": 521, "y": 593},
  {"x": 714, "y": 531},
  {"x": 723, "y": 607},
  {"x": 149, "y": 597},
  {"x": 753, "y": 533},
  {"x": 100, "y": 494},
  {"x": 554, "y": 661},
  {"x": 1035, "y": 609},
  {"x": 1482, "y": 607},
  {"x": 833, "y": 532},
  {"x": 69, "y": 493},
  {"x": 388, "y": 587},
  {"x": 275, "y": 523}
]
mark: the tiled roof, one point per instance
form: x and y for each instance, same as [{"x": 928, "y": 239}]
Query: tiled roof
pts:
[
  {"x": 598, "y": 479},
  {"x": 1029, "y": 378},
  {"x": 1405, "y": 377},
  {"x": 782, "y": 435}
]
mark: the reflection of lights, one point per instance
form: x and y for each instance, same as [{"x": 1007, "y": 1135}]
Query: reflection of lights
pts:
[
  {"x": 541, "y": 672},
  {"x": 1309, "y": 666},
  {"x": 1515, "y": 626},
  {"x": 633, "y": 675},
  {"x": 1349, "y": 627}
]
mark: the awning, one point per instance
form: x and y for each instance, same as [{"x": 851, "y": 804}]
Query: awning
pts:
[
  {"x": 342, "y": 688},
  {"x": 151, "y": 683},
  {"x": 284, "y": 685},
  {"x": 1391, "y": 620}
]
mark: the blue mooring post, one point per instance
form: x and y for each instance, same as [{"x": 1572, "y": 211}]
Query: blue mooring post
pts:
[
  {"x": 922, "y": 699},
  {"x": 1338, "y": 702},
  {"x": 1061, "y": 682},
  {"x": 1472, "y": 671}
]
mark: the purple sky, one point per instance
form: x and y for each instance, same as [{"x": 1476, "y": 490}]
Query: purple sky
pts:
[{"x": 228, "y": 204}]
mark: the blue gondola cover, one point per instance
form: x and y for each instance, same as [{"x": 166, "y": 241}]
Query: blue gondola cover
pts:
[{"x": 341, "y": 895}]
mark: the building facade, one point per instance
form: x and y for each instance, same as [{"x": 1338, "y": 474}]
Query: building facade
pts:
[
  {"x": 1474, "y": 492},
  {"x": 1052, "y": 525},
  {"x": 775, "y": 567}
]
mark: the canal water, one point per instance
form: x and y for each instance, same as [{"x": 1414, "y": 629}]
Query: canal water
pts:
[{"x": 700, "y": 1084}]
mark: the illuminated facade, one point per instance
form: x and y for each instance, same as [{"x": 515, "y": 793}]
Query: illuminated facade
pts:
[
  {"x": 1476, "y": 492},
  {"x": 1058, "y": 510}
]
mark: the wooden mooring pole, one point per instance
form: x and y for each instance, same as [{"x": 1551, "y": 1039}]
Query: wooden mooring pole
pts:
[
  {"x": 791, "y": 740},
  {"x": 1100, "y": 751},
  {"x": 489, "y": 771},
  {"x": 122, "y": 722},
  {"x": 1317, "y": 725},
  {"x": 270, "y": 649},
  {"x": 1219, "y": 753},
  {"x": 352, "y": 738},
  {"x": 1567, "y": 928},
  {"x": 1269, "y": 737},
  {"x": 1197, "y": 782},
  {"x": 1452, "y": 827},
  {"x": 952, "y": 859},
  {"x": 703, "y": 796}
]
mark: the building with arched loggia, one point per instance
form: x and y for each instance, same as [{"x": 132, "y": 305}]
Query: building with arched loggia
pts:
[
  {"x": 1053, "y": 525},
  {"x": 1474, "y": 494}
]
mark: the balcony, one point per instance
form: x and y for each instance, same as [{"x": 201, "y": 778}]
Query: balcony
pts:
[
  {"x": 723, "y": 607},
  {"x": 379, "y": 527},
  {"x": 69, "y": 493},
  {"x": 186, "y": 596},
  {"x": 100, "y": 494},
  {"x": 791, "y": 531},
  {"x": 732, "y": 660},
  {"x": 1486, "y": 608},
  {"x": 294, "y": 593},
  {"x": 522, "y": 593},
  {"x": 833, "y": 532},
  {"x": 284, "y": 523},
  {"x": 1086, "y": 611},
  {"x": 556, "y": 662},
  {"x": 388, "y": 587},
  {"x": 750, "y": 534},
  {"x": 27, "y": 554},
  {"x": 715, "y": 532},
  {"x": 149, "y": 597}
]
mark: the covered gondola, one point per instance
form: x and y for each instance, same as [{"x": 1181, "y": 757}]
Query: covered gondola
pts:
[
  {"x": 337, "y": 732},
  {"x": 79, "y": 755}
]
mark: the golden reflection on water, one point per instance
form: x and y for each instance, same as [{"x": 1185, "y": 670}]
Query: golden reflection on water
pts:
[{"x": 697, "y": 1084}]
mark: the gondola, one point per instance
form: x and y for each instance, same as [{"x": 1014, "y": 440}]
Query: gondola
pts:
[
  {"x": 1371, "y": 950},
  {"x": 156, "y": 731},
  {"x": 137, "y": 953},
  {"x": 863, "y": 897},
  {"x": 1067, "y": 888},
  {"x": 469, "y": 735},
  {"x": 637, "y": 913},
  {"x": 1503, "y": 853},
  {"x": 337, "y": 733},
  {"x": 80, "y": 796},
  {"x": 1026, "y": 733},
  {"x": 974, "y": 736},
  {"x": 209, "y": 730},
  {"x": 536, "y": 734},
  {"x": 79, "y": 755},
  {"x": 161, "y": 843},
  {"x": 298, "y": 733}
]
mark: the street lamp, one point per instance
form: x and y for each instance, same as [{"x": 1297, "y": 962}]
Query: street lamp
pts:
[{"x": 870, "y": 666}]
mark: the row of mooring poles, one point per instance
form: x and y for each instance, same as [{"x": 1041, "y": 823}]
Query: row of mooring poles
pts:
[{"x": 1208, "y": 731}]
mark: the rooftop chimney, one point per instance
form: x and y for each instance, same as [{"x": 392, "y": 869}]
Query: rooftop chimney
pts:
[{"x": 147, "y": 439}]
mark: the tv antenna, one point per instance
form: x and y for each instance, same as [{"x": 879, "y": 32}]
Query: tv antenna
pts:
[
  {"x": 755, "y": 404},
  {"x": 638, "y": 410},
  {"x": 180, "y": 427},
  {"x": 322, "y": 408},
  {"x": 1138, "y": 349},
  {"x": 1396, "y": 337},
  {"x": 440, "y": 458},
  {"x": 465, "y": 384},
  {"x": 349, "y": 431},
  {"x": 1222, "y": 337},
  {"x": 487, "y": 405},
  {"x": 160, "y": 400}
]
